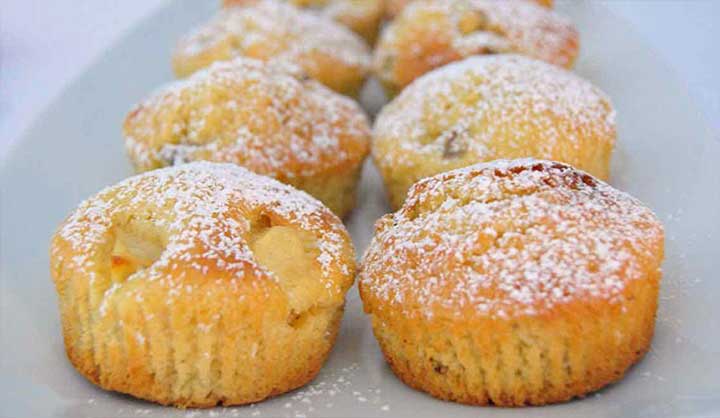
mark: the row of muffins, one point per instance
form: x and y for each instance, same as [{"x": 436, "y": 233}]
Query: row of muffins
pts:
[
  {"x": 284, "y": 125},
  {"x": 275, "y": 121},
  {"x": 425, "y": 36},
  {"x": 509, "y": 283}
]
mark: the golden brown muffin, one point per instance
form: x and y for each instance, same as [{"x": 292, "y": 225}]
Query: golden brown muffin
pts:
[
  {"x": 394, "y": 7},
  {"x": 430, "y": 34},
  {"x": 275, "y": 31},
  {"x": 362, "y": 16},
  {"x": 269, "y": 118},
  {"x": 200, "y": 285},
  {"x": 513, "y": 283},
  {"x": 490, "y": 107}
]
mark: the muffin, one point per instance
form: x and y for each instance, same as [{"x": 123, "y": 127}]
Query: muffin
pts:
[
  {"x": 491, "y": 107},
  {"x": 361, "y": 16},
  {"x": 430, "y": 34},
  {"x": 271, "y": 30},
  {"x": 513, "y": 283},
  {"x": 269, "y": 118},
  {"x": 200, "y": 285},
  {"x": 394, "y": 7}
]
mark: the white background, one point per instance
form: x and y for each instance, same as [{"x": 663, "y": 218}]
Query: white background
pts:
[{"x": 44, "y": 44}]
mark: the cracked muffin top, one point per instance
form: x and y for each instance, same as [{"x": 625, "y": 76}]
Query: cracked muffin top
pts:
[{"x": 204, "y": 226}]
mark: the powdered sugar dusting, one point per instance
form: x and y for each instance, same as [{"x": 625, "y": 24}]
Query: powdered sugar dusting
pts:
[
  {"x": 529, "y": 29},
  {"x": 462, "y": 28},
  {"x": 509, "y": 238},
  {"x": 480, "y": 99},
  {"x": 266, "y": 117},
  {"x": 342, "y": 11},
  {"x": 278, "y": 32},
  {"x": 203, "y": 212}
]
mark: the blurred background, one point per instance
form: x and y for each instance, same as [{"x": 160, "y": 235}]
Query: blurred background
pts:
[{"x": 45, "y": 44}]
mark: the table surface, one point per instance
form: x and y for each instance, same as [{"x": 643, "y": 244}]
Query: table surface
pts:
[{"x": 35, "y": 65}]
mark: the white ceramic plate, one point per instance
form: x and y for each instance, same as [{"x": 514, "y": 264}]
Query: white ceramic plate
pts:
[{"x": 665, "y": 156}]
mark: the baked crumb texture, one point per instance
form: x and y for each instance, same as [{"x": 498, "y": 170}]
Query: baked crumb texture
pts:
[
  {"x": 430, "y": 34},
  {"x": 268, "y": 118},
  {"x": 200, "y": 285},
  {"x": 491, "y": 107},
  {"x": 362, "y": 16},
  {"x": 270, "y": 30},
  {"x": 513, "y": 283}
]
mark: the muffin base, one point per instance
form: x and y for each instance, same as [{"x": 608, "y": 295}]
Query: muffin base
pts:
[
  {"x": 522, "y": 361},
  {"x": 127, "y": 374}
]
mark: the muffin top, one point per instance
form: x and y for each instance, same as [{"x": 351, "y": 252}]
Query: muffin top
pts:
[
  {"x": 362, "y": 16},
  {"x": 489, "y": 107},
  {"x": 430, "y": 34},
  {"x": 270, "y": 30},
  {"x": 269, "y": 118},
  {"x": 202, "y": 226},
  {"x": 508, "y": 239}
]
